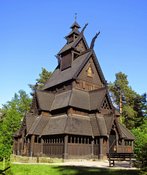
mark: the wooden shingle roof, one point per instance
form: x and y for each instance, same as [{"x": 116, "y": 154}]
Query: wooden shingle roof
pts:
[
  {"x": 30, "y": 118},
  {"x": 55, "y": 125},
  {"x": 79, "y": 99},
  {"x": 59, "y": 76},
  {"x": 44, "y": 99},
  {"x": 75, "y": 25},
  {"x": 72, "y": 45},
  {"x": 61, "y": 100},
  {"x": 64, "y": 124},
  {"x": 109, "y": 120},
  {"x": 38, "y": 125},
  {"x": 96, "y": 97},
  {"x": 91, "y": 100},
  {"x": 79, "y": 125},
  {"x": 101, "y": 125},
  {"x": 124, "y": 132}
]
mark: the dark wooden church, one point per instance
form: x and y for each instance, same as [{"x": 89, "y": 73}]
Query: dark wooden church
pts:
[{"x": 73, "y": 116}]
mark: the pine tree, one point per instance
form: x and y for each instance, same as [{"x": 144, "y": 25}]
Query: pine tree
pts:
[
  {"x": 40, "y": 82},
  {"x": 134, "y": 106}
]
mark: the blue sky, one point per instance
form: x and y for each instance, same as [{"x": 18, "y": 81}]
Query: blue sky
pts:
[{"x": 32, "y": 32}]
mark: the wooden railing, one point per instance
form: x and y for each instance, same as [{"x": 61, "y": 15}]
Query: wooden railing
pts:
[
  {"x": 112, "y": 157},
  {"x": 124, "y": 149},
  {"x": 79, "y": 149},
  {"x": 37, "y": 149},
  {"x": 53, "y": 149}
]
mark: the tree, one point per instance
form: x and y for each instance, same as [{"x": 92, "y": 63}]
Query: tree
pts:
[
  {"x": 12, "y": 113},
  {"x": 140, "y": 106},
  {"x": 141, "y": 143},
  {"x": 134, "y": 106},
  {"x": 40, "y": 82}
]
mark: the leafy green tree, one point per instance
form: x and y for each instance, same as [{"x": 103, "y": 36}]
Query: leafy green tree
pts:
[
  {"x": 40, "y": 82},
  {"x": 141, "y": 143},
  {"x": 134, "y": 108},
  {"x": 12, "y": 113}
]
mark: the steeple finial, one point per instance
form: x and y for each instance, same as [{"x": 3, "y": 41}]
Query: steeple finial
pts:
[
  {"x": 93, "y": 40},
  {"x": 75, "y": 16}
]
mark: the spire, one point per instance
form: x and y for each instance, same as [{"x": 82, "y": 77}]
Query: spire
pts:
[
  {"x": 74, "y": 33},
  {"x": 75, "y": 25}
]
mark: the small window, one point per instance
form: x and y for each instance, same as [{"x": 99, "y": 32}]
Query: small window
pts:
[
  {"x": 128, "y": 143},
  {"x": 89, "y": 71}
]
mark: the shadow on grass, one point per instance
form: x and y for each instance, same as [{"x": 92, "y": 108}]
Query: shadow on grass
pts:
[
  {"x": 3, "y": 172},
  {"x": 77, "y": 170}
]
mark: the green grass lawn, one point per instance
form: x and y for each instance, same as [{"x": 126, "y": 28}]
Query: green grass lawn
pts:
[{"x": 28, "y": 169}]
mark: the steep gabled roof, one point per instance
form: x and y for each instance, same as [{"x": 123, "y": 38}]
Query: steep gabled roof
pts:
[
  {"x": 44, "y": 99},
  {"x": 59, "y": 76},
  {"x": 91, "y": 100},
  {"x": 101, "y": 125},
  {"x": 124, "y": 132},
  {"x": 38, "y": 125},
  {"x": 72, "y": 32},
  {"x": 55, "y": 125},
  {"x": 63, "y": 124},
  {"x": 83, "y": 103},
  {"x": 99, "y": 70},
  {"x": 72, "y": 45},
  {"x": 79, "y": 125},
  {"x": 96, "y": 98},
  {"x": 68, "y": 46},
  {"x": 61, "y": 100},
  {"x": 30, "y": 118},
  {"x": 109, "y": 120},
  {"x": 75, "y": 25}
]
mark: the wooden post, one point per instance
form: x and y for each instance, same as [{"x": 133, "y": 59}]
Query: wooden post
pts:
[
  {"x": 123, "y": 144},
  {"x": 42, "y": 141},
  {"x": 116, "y": 141},
  {"x": 92, "y": 148},
  {"x": 22, "y": 144},
  {"x": 32, "y": 145},
  {"x": 18, "y": 145},
  {"x": 101, "y": 148},
  {"x": 65, "y": 155},
  {"x": 132, "y": 146},
  {"x": 108, "y": 145}
]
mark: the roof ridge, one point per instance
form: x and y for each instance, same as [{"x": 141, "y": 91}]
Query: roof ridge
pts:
[{"x": 98, "y": 67}]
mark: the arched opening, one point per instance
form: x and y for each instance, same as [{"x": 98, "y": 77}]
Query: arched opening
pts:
[{"x": 112, "y": 141}]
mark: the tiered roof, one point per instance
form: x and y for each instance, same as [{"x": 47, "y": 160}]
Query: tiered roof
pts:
[{"x": 94, "y": 123}]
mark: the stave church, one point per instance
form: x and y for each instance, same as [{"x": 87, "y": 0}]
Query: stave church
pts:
[{"x": 73, "y": 117}]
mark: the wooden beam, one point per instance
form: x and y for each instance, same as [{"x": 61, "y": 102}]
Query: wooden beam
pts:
[
  {"x": 42, "y": 142},
  {"x": 92, "y": 148},
  {"x": 65, "y": 155},
  {"x": 32, "y": 145},
  {"x": 18, "y": 145},
  {"x": 101, "y": 148}
]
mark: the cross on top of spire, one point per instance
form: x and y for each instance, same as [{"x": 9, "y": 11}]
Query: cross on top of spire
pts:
[
  {"x": 75, "y": 16},
  {"x": 75, "y": 25}
]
